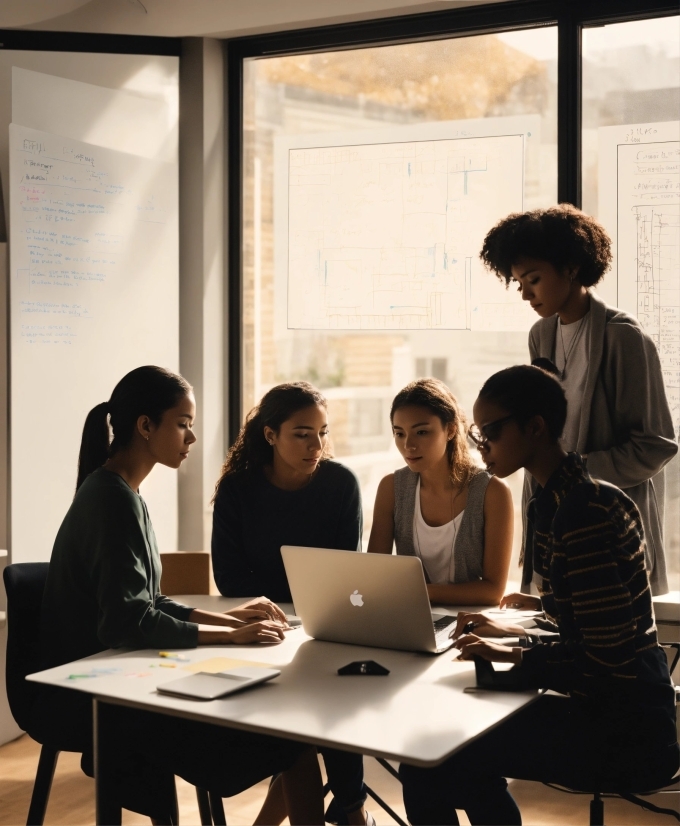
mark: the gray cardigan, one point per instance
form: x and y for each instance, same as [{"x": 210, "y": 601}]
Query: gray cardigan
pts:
[
  {"x": 626, "y": 428},
  {"x": 468, "y": 550}
]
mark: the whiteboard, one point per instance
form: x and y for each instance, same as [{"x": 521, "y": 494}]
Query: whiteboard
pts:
[
  {"x": 639, "y": 185},
  {"x": 386, "y": 235},
  {"x": 94, "y": 292}
]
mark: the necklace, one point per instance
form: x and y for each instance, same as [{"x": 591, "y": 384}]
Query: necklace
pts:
[
  {"x": 454, "y": 495},
  {"x": 574, "y": 341}
]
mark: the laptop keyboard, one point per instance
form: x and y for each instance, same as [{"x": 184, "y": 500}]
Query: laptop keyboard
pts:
[{"x": 443, "y": 627}]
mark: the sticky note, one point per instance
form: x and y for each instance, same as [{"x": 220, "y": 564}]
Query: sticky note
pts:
[{"x": 217, "y": 664}]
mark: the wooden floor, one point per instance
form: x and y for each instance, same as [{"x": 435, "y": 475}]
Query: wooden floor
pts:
[{"x": 72, "y": 798}]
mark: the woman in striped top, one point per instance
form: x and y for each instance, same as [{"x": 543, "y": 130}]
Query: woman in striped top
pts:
[{"x": 615, "y": 728}]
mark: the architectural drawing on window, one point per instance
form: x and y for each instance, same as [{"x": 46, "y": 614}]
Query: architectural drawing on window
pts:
[
  {"x": 655, "y": 169},
  {"x": 386, "y": 236},
  {"x": 647, "y": 236}
]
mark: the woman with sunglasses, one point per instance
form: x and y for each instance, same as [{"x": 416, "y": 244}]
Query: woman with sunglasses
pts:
[
  {"x": 443, "y": 508},
  {"x": 615, "y": 727},
  {"x": 618, "y": 416}
]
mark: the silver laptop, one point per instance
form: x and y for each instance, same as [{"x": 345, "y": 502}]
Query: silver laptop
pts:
[{"x": 365, "y": 599}]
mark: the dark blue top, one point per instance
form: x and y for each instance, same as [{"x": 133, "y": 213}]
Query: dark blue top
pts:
[{"x": 253, "y": 519}]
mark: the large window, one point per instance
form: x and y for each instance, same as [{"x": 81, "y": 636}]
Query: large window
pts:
[
  {"x": 631, "y": 181},
  {"x": 371, "y": 173},
  {"x": 370, "y": 177}
]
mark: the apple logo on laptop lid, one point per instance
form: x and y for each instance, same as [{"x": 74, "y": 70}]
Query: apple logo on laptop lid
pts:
[{"x": 356, "y": 599}]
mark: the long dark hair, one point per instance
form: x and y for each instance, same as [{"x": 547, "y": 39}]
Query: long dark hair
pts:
[
  {"x": 436, "y": 396},
  {"x": 146, "y": 391},
  {"x": 251, "y": 451}
]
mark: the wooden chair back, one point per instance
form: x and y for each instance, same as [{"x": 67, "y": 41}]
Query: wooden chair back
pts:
[{"x": 185, "y": 572}]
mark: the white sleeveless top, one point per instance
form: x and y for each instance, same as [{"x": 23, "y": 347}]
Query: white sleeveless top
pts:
[{"x": 434, "y": 545}]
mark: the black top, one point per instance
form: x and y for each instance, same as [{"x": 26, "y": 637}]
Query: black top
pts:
[
  {"x": 253, "y": 519},
  {"x": 103, "y": 586}
]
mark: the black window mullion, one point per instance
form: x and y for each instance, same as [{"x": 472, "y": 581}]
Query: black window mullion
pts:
[
  {"x": 569, "y": 107},
  {"x": 234, "y": 224}
]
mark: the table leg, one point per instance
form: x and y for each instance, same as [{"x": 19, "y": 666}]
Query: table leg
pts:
[{"x": 109, "y": 812}]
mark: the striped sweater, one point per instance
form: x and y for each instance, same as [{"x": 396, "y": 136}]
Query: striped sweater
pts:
[{"x": 589, "y": 552}]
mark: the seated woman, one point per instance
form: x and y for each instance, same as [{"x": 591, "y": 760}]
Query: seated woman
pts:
[
  {"x": 615, "y": 729},
  {"x": 441, "y": 507},
  {"x": 103, "y": 592},
  {"x": 279, "y": 487},
  {"x": 618, "y": 416}
]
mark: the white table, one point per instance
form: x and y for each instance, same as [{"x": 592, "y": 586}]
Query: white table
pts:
[{"x": 420, "y": 714}]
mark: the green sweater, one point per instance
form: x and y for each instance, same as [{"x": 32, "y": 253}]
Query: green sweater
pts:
[{"x": 103, "y": 587}]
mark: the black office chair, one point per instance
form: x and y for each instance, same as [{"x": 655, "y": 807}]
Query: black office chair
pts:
[
  {"x": 672, "y": 787},
  {"x": 25, "y": 585}
]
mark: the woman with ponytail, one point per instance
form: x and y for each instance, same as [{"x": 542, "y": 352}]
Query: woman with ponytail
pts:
[
  {"x": 103, "y": 591},
  {"x": 279, "y": 487}
]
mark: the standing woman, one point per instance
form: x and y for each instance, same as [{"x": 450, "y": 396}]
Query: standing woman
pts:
[
  {"x": 615, "y": 728},
  {"x": 279, "y": 487},
  {"x": 618, "y": 416},
  {"x": 103, "y": 591},
  {"x": 442, "y": 507}
]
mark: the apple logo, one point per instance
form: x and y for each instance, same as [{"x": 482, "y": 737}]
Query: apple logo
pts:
[{"x": 356, "y": 599}]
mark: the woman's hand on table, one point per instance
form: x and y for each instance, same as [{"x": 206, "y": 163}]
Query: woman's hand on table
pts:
[
  {"x": 266, "y": 631},
  {"x": 484, "y": 626},
  {"x": 522, "y": 602},
  {"x": 258, "y": 609},
  {"x": 470, "y": 645}
]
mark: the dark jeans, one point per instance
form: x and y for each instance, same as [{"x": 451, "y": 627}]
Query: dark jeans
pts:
[
  {"x": 345, "y": 772},
  {"x": 556, "y": 739}
]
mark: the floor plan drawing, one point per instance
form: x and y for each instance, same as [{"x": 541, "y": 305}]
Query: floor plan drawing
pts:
[{"x": 386, "y": 236}]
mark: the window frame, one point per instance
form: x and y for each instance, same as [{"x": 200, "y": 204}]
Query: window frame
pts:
[{"x": 570, "y": 17}]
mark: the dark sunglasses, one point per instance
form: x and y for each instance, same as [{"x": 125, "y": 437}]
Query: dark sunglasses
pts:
[{"x": 490, "y": 432}]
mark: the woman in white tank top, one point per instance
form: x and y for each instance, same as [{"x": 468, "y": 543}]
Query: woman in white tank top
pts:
[{"x": 442, "y": 507}]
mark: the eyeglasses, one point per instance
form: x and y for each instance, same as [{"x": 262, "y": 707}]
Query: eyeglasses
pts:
[{"x": 490, "y": 432}]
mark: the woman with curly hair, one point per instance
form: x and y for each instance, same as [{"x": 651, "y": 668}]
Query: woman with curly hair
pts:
[
  {"x": 441, "y": 507},
  {"x": 618, "y": 416},
  {"x": 279, "y": 487}
]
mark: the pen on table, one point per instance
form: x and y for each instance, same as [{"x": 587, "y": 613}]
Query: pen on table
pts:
[{"x": 170, "y": 656}]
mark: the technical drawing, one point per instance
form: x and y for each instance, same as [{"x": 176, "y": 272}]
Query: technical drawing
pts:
[
  {"x": 648, "y": 249},
  {"x": 386, "y": 236}
]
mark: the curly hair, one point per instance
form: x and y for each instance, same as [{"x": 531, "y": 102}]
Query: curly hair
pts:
[
  {"x": 251, "y": 451},
  {"x": 562, "y": 235},
  {"x": 436, "y": 396}
]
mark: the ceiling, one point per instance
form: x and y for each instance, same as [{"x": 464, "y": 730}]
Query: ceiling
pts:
[{"x": 203, "y": 18}]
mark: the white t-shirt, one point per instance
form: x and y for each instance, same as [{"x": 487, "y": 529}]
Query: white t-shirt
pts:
[
  {"x": 573, "y": 341},
  {"x": 434, "y": 545}
]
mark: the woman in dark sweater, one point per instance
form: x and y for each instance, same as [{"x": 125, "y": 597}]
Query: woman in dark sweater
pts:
[
  {"x": 615, "y": 729},
  {"x": 279, "y": 487},
  {"x": 103, "y": 591}
]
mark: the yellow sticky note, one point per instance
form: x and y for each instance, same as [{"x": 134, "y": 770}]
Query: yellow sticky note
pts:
[{"x": 216, "y": 664}]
